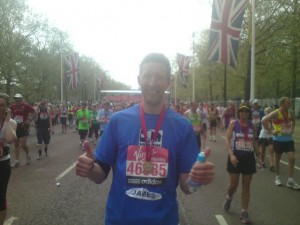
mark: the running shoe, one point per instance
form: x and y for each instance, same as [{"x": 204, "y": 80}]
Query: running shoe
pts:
[
  {"x": 245, "y": 217},
  {"x": 28, "y": 160},
  {"x": 226, "y": 204},
  {"x": 259, "y": 165},
  {"x": 16, "y": 164},
  {"x": 291, "y": 183},
  {"x": 278, "y": 181},
  {"x": 39, "y": 157}
]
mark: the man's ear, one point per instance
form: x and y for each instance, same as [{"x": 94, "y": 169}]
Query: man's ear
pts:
[{"x": 139, "y": 79}]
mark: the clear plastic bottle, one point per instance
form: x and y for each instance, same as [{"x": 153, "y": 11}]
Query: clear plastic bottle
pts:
[{"x": 193, "y": 186}]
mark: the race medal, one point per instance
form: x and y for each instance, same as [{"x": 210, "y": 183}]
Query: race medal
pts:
[{"x": 148, "y": 167}]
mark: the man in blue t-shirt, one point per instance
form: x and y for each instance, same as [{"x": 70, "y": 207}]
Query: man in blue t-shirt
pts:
[
  {"x": 151, "y": 149},
  {"x": 104, "y": 116}
]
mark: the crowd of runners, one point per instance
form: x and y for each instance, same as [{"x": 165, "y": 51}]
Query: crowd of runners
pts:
[{"x": 272, "y": 131}]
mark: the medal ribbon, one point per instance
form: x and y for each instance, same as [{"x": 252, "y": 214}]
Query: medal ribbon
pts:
[
  {"x": 245, "y": 131},
  {"x": 144, "y": 129}
]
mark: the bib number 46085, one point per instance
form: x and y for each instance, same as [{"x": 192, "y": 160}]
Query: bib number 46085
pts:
[{"x": 136, "y": 169}]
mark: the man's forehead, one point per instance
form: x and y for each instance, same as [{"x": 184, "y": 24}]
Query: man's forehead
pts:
[{"x": 153, "y": 67}]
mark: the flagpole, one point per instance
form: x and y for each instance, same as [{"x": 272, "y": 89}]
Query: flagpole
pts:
[
  {"x": 61, "y": 79},
  {"x": 193, "y": 84},
  {"x": 94, "y": 82},
  {"x": 252, "y": 89},
  {"x": 193, "y": 79},
  {"x": 175, "y": 89}
]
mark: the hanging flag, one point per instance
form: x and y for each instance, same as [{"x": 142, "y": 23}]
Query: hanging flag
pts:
[
  {"x": 72, "y": 69},
  {"x": 183, "y": 65},
  {"x": 226, "y": 23},
  {"x": 100, "y": 79}
]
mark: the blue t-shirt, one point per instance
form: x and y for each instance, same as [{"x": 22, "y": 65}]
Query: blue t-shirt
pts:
[
  {"x": 146, "y": 200},
  {"x": 104, "y": 114}
]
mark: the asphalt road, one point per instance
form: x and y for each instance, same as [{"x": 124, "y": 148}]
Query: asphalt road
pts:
[{"x": 35, "y": 199}]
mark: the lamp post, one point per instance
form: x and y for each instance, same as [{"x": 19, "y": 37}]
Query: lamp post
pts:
[{"x": 85, "y": 91}]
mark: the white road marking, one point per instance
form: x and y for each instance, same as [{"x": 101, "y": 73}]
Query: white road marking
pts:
[
  {"x": 285, "y": 163},
  {"x": 65, "y": 172},
  {"x": 221, "y": 220},
  {"x": 10, "y": 220}
]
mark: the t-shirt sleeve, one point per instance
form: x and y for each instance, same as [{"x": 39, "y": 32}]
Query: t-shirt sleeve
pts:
[
  {"x": 189, "y": 152},
  {"x": 107, "y": 147},
  {"x": 30, "y": 109}
]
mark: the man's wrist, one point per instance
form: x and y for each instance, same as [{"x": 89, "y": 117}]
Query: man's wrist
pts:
[{"x": 91, "y": 169}]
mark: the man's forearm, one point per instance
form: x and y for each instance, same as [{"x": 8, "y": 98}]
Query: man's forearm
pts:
[{"x": 97, "y": 174}]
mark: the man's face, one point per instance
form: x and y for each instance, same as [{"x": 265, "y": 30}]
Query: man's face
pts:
[
  {"x": 154, "y": 81},
  {"x": 106, "y": 106},
  {"x": 3, "y": 105},
  {"x": 18, "y": 100},
  {"x": 255, "y": 106},
  {"x": 287, "y": 104},
  {"x": 43, "y": 102},
  {"x": 194, "y": 106}
]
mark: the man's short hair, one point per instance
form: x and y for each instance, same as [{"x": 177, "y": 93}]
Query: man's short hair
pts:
[
  {"x": 283, "y": 100},
  {"x": 107, "y": 103},
  {"x": 159, "y": 58},
  {"x": 5, "y": 97}
]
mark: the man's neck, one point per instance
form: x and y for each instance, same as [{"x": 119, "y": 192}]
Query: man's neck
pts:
[
  {"x": 244, "y": 122},
  {"x": 153, "y": 109},
  {"x": 282, "y": 109},
  {"x": 194, "y": 111}
]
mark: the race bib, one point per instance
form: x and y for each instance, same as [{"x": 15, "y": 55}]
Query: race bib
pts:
[
  {"x": 43, "y": 116},
  {"x": 256, "y": 120},
  {"x": 243, "y": 145},
  {"x": 19, "y": 119},
  {"x": 287, "y": 129},
  {"x": 141, "y": 172}
]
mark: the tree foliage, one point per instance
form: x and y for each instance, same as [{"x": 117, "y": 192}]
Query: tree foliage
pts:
[
  {"x": 31, "y": 50},
  {"x": 277, "y": 58},
  {"x": 30, "y": 58}
]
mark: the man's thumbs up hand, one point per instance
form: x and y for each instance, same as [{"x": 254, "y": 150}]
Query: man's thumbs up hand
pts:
[
  {"x": 207, "y": 152},
  {"x": 88, "y": 150},
  {"x": 85, "y": 163}
]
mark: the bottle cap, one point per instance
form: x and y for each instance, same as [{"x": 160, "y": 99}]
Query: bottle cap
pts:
[{"x": 201, "y": 157}]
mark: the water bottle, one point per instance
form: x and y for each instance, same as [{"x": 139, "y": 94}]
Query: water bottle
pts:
[{"x": 193, "y": 186}]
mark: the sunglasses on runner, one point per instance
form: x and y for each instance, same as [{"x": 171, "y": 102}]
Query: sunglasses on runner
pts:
[{"x": 244, "y": 110}]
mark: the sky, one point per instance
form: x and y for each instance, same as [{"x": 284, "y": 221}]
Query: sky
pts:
[{"x": 119, "y": 33}]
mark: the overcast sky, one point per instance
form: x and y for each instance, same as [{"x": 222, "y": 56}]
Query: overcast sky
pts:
[{"x": 119, "y": 33}]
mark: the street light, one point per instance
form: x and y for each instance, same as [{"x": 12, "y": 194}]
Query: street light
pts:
[{"x": 85, "y": 91}]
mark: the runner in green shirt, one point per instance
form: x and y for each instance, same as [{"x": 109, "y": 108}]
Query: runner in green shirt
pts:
[
  {"x": 83, "y": 116},
  {"x": 94, "y": 129}
]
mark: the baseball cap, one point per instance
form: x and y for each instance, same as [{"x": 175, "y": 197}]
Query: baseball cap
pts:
[
  {"x": 244, "y": 106},
  {"x": 18, "y": 96},
  {"x": 255, "y": 101}
]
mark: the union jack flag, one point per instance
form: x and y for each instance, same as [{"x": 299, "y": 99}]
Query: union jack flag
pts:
[
  {"x": 184, "y": 65},
  {"x": 72, "y": 69},
  {"x": 226, "y": 23}
]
